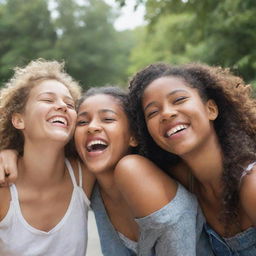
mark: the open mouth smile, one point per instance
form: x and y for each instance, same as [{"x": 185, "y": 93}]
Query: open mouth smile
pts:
[
  {"x": 58, "y": 120},
  {"x": 96, "y": 146},
  {"x": 176, "y": 129}
]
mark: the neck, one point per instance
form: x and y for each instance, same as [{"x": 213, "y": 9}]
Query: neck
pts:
[
  {"x": 42, "y": 166},
  {"x": 107, "y": 185},
  {"x": 206, "y": 164}
]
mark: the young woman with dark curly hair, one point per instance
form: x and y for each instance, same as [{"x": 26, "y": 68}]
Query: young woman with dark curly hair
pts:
[{"x": 205, "y": 117}]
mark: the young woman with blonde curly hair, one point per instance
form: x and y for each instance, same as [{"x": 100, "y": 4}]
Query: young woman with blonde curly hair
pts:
[
  {"x": 206, "y": 117},
  {"x": 45, "y": 211}
]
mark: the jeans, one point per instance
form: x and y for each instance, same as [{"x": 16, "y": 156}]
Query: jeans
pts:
[{"x": 242, "y": 244}]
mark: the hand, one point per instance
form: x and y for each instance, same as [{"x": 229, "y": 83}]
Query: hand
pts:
[{"x": 8, "y": 166}]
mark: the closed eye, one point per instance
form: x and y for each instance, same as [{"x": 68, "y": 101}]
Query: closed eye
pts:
[
  {"x": 70, "y": 105},
  {"x": 109, "y": 120},
  {"x": 152, "y": 113},
  {"x": 82, "y": 122},
  {"x": 180, "y": 99},
  {"x": 47, "y": 100}
]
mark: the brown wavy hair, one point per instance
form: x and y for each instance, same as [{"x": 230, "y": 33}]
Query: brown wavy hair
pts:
[
  {"x": 15, "y": 93},
  {"x": 235, "y": 125}
]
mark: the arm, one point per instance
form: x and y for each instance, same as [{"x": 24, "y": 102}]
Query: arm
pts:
[
  {"x": 138, "y": 179},
  {"x": 5, "y": 198},
  {"x": 8, "y": 166},
  {"x": 248, "y": 195},
  {"x": 167, "y": 212}
]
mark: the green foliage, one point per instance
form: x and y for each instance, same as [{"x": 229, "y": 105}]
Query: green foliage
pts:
[
  {"x": 81, "y": 33},
  {"x": 215, "y": 32},
  {"x": 26, "y": 32},
  {"x": 162, "y": 42},
  {"x": 87, "y": 41}
]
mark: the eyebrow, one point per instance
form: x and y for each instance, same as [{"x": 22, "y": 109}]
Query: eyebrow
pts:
[
  {"x": 168, "y": 95},
  {"x": 108, "y": 110},
  {"x": 85, "y": 113}
]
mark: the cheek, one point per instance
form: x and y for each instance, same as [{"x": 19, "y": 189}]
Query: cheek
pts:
[
  {"x": 153, "y": 132},
  {"x": 78, "y": 137},
  {"x": 152, "y": 128},
  {"x": 202, "y": 116},
  {"x": 73, "y": 115}
]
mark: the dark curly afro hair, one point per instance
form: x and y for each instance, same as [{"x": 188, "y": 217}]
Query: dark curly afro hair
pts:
[{"x": 235, "y": 125}]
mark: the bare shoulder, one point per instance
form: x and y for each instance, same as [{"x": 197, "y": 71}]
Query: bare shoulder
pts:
[
  {"x": 138, "y": 179},
  {"x": 137, "y": 166},
  {"x": 248, "y": 194},
  {"x": 5, "y": 198},
  {"x": 88, "y": 179}
]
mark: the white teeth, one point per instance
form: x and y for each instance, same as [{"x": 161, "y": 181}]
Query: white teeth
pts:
[
  {"x": 176, "y": 129},
  {"x": 96, "y": 142},
  {"x": 58, "y": 119}
]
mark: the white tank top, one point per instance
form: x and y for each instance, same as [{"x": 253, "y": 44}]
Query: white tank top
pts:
[{"x": 68, "y": 237}]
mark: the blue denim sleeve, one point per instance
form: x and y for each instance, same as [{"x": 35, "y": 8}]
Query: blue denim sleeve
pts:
[{"x": 111, "y": 244}]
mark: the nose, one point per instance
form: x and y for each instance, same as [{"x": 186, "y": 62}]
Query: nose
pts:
[
  {"x": 61, "y": 105},
  {"x": 168, "y": 112},
  {"x": 94, "y": 127}
]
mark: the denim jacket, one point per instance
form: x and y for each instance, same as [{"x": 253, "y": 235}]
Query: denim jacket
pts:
[
  {"x": 111, "y": 243},
  {"x": 242, "y": 244}
]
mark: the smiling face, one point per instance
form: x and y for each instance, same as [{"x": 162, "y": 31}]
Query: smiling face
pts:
[
  {"x": 177, "y": 118},
  {"x": 49, "y": 113},
  {"x": 102, "y": 135}
]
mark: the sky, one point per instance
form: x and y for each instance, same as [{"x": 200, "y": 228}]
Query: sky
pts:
[{"x": 129, "y": 18}]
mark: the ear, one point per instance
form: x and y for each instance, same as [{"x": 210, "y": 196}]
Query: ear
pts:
[
  {"x": 17, "y": 121},
  {"x": 212, "y": 110},
  {"x": 133, "y": 142}
]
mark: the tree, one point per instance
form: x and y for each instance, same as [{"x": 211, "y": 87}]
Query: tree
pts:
[
  {"x": 26, "y": 33},
  {"x": 89, "y": 43},
  {"x": 218, "y": 32},
  {"x": 162, "y": 42},
  {"x": 79, "y": 32}
]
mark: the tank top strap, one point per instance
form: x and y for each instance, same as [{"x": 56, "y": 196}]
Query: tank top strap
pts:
[
  {"x": 250, "y": 166},
  {"x": 14, "y": 193},
  {"x": 248, "y": 169},
  {"x": 80, "y": 175},
  {"x": 71, "y": 172}
]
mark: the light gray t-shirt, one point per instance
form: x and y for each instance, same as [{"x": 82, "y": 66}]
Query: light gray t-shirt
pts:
[{"x": 175, "y": 230}]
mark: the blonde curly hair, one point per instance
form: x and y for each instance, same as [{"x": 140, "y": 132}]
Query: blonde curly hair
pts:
[{"x": 15, "y": 93}]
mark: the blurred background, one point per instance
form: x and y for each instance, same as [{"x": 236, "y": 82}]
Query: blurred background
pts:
[{"x": 103, "y": 43}]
